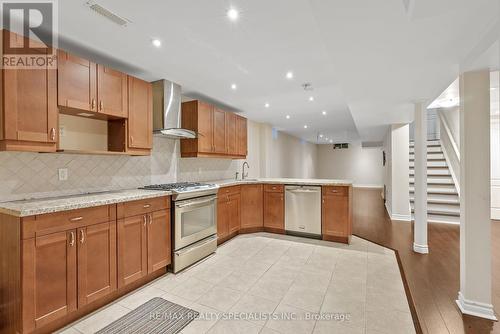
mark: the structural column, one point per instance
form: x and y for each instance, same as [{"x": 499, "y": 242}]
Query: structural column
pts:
[
  {"x": 420, "y": 184},
  {"x": 474, "y": 297}
]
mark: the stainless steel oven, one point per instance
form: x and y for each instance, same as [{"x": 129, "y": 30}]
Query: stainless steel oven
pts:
[{"x": 195, "y": 219}]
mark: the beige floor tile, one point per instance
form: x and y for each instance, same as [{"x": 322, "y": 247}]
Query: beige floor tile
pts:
[
  {"x": 384, "y": 321},
  {"x": 220, "y": 298},
  {"x": 140, "y": 297},
  {"x": 387, "y": 299},
  {"x": 207, "y": 319},
  {"x": 192, "y": 289},
  {"x": 267, "y": 330},
  {"x": 335, "y": 327},
  {"x": 273, "y": 289},
  {"x": 69, "y": 330},
  {"x": 234, "y": 326},
  {"x": 344, "y": 304},
  {"x": 177, "y": 300},
  {"x": 239, "y": 281},
  {"x": 305, "y": 298},
  {"x": 101, "y": 319},
  {"x": 291, "y": 320},
  {"x": 317, "y": 279},
  {"x": 170, "y": 281},
  {"x": 255, "y": 308}
]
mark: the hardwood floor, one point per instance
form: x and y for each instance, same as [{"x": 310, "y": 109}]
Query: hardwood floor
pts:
[{"x": 433, "y": 279}]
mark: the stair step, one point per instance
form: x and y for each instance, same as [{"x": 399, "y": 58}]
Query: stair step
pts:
[
  {"x": 430, "y": 156},
  {"x": 441, "y": 209},
  {"x": 434, "y": 172},
  {"x": 438, "y": 190},
  {"x": 449, "y": 199},
  {"x": 430, "y": 143},
  {"x": 430, "y": 149},
  {"x": 435, "y": 180},
  {"x": 432, "y": 163}
]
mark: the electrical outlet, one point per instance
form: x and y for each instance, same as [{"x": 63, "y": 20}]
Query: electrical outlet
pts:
[
  {"x": 63, "y": 174},
  {"x": 62, "y": 131}
]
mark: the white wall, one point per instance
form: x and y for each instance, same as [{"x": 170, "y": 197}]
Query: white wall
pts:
[
  {"x": 361, "y": 165},
  {"x": 397, "y": 180}
]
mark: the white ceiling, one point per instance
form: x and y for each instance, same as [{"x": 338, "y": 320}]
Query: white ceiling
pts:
[{"x": 367, "y": 60}]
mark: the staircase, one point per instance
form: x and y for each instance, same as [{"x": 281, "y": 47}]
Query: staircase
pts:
[{"x": 443, "y": 205}]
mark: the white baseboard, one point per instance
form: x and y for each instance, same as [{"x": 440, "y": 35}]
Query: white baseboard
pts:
[
  {"x": 495, "y": 213},
  {"x": 398, "y": 217},
  {"x": 476, "y": 309},
  {"x": 422, "y": 249}
]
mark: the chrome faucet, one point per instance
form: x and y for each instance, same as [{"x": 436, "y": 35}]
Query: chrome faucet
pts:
[{"x": 243, "y": 174}]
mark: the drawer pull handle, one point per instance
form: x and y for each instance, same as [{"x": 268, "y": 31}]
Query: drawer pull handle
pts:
[
  {"x": 75, "y": 219},
  {"x": 146, "y": 206},
  {"x": 335, "y": 191}
]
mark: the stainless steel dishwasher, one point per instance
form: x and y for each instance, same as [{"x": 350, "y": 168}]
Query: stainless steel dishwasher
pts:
[{"x": 303, "y": 210}]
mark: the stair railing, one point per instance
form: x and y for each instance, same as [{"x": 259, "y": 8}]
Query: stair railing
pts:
[{"x": 450, "y": 149}]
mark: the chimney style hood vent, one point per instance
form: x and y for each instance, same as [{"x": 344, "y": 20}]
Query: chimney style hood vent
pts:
[{"x": 167, "y": 111}]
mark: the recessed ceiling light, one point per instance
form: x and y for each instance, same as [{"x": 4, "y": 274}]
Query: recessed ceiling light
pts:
[
  {"x": 287, "y": 116},
  {"x": 156, "y": 42},
  {"x": 289, "y": 75},
  {"x": 234, "y": 87},
  {"x": 266, "y": 105},
  {"x": 305, "y": 126},
  {"x": 331, "y": 140},
  {"x": 233, "y": 14},
  {"x": 320, "y": 135},
  {"x": 326, "y": 138},
  {"x": 323, "y": 112},
  {"x": 311, "y": 98}
]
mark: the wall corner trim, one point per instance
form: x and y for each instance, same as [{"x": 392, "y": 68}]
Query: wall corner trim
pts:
[{"x": 476, "y": 309}]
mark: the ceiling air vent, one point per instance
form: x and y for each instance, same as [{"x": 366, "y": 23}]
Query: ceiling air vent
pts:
[
  {"x": 121, "y": 21},
  {"x": 340, "y": 146}
]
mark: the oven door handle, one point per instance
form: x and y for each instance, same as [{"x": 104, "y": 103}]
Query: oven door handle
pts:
[{"x": 195, "y": 203}]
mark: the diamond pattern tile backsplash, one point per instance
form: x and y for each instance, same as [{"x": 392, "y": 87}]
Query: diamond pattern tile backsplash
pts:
[{"x": 35, "y": 175}]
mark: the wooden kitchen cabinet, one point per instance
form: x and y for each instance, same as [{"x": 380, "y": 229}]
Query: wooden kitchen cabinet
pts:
[
  {"x": 144, "y": 239},
  {"x": 252, "y": 206},
  {"x": 140, "y": 116},
  {"x": 220, "y": 134},
  {"x": 76, "y": 82},
  {"x": 28, "y": 111},
  {"x": 49, "y": 284},
  {"x": 228, "y": 212},
  {"x": 231, "y": 135},
  {"x": 274, "y": 208},
  {"x": 336, "y": 212},
  {"x": 96, "y": 262},
  {"x": 241, "y": 137},
  {"x": 111, "y": 92}
]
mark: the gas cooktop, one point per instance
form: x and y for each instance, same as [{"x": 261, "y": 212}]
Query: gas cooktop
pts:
[{"x": 187, "y": 189}]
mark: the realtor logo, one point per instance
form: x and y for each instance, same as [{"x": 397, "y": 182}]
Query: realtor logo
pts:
[{"x": 32, "y": 41}]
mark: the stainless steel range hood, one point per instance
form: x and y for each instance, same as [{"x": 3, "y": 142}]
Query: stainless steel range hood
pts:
[{"x": 167, "y": 111}]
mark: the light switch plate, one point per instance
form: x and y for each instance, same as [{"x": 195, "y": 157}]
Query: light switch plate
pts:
[{"x": 63, "y": 174}]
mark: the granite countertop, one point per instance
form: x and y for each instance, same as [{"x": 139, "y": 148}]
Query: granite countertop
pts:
[
  {"x": 310, "y": 182},
  {"x": 33, "y": 207}
]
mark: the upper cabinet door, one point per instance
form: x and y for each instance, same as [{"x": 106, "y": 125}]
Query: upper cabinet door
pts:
[
  {"x": 140, "y": 113},
  {"x": 111, "y": 92},
  {"x": 219, "y": 131},
  {"x": 231, "y": 139},
  {"x": 205, "y": 128},
  {"x": 241, "y": 132},
  {"x": 96, "y": 262},
  {"x": 77, "y": 85}
]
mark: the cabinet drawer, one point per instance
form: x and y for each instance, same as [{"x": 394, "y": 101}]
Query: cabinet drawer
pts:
[
  {"x": 134, "y": 208},
  {"x": 229, "y": 190},
  {"x": 64, "y": 220},
  {"x": 336, "y": 190},
  {"x": 273, "y": 188}
]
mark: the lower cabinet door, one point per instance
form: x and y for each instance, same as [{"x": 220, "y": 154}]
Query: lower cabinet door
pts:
[
  {"x": 274, "y": 210},
  {"x": 49, "y": 281},
  {"x": 96, "y": 262},
  {"x": 159, "y": 249},
  {"x": 132, "y": 249},
  {"x": 222, "y": 217},
  {"x": 335, "y": 213},
  {"x": 233, "y": 208},
  {"x": 252, "y": 206}
]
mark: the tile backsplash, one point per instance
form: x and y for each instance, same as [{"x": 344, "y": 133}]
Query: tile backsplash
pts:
[{"x": 35, "y": 175}]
